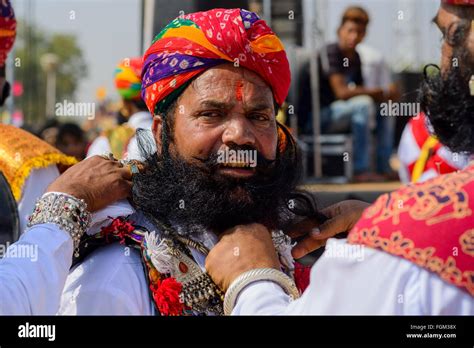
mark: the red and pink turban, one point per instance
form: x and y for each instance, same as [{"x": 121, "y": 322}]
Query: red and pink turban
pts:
[
  {"x": 198, "y": 41},
  {"x": 459, "y": 2},
  {"x": 7, "y": 30}
]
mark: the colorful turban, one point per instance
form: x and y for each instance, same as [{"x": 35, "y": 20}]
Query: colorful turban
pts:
[
  {"x": 459, "y": 2},
  {"x": 128, "y": 78},
  {"x": 7, "y": 29},
  {"x": 198, "y": 41}
]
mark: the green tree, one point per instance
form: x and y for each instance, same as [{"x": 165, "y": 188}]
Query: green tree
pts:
[{"x": 32, "y": 43}]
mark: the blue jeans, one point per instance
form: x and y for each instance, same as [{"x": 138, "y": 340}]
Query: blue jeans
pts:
[{"x": 356, "y": 113}]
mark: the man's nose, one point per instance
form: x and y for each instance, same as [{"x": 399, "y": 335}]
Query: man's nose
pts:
[{"x": 238, "y": 131}]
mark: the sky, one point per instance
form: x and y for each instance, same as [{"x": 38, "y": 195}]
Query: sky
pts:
[{"x": 109, "y": 30}]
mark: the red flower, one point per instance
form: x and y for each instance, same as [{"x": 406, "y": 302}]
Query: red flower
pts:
[
  {"x": 120, "y": 227},
  {"x": 302, "y": 274},
  {"x": 166, "y": 296}
]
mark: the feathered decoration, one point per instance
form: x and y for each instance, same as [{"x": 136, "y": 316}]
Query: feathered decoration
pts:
[
  {"x": 158, "y": 253},
  {"x": 283, "y": 246}
]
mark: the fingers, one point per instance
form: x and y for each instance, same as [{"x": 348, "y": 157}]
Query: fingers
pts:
[
  {"x": 296, "y": 233},
  {"x": 125, "y": 172},
  {"x": 130, "y": 168},
  {"x": 318, "y": 236},
  {"x": 307, "y": 245},
  {"x": 332, "y": 210},
  {"x": 331, "y": 227},
  {"x": 301, "y": 228},
  {"x": 127, "y": 188},
  {"x": 122, "y": 181}
]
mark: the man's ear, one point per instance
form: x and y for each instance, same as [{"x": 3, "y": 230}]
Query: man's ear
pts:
[{"x": 156, "y": 128}]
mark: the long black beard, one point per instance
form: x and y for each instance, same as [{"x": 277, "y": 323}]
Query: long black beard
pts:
[
  {"x": 193, "y": 196},
  {"x": 447, "y": 102}
]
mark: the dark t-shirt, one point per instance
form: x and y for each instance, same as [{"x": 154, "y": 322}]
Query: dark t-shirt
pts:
[
  {"x": 350, "y": 68},
  {"x": 338, "y": 64}
]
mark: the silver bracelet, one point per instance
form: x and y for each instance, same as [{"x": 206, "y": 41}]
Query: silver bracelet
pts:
[
  {"x": 64, "y": 210},
  {"x": 254, "y": 275}
]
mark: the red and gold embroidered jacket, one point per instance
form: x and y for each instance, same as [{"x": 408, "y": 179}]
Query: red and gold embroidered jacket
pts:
[{"x": 430, "y": 224}]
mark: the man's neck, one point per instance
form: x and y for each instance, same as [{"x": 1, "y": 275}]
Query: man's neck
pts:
[{"x": 348, "y": 52}]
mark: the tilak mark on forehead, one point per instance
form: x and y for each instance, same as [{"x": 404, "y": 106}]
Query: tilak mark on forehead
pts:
[{"x": 238, "y": 90}]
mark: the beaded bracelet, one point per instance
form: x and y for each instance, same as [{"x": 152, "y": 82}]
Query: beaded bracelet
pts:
[{"x": 64, "y": 210}]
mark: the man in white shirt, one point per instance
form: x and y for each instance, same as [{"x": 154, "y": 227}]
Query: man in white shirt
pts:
[{"x": 32, "y": 282}]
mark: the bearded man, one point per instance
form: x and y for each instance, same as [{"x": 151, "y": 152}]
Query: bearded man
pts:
[
  {"x": 216, "y": 158},
  {"x": 412, "y": 250}
]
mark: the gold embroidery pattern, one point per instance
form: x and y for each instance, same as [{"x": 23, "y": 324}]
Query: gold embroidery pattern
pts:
[
  {"x": 467, "y": 242},
  {"x": 21, "y": 152},
  {"x": 423, "y": 257},
  {"x": 434, "y": 201}
]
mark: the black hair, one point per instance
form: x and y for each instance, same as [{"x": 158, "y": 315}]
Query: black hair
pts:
[
  {"x": 69, "y": 129},
  {"x": 355, "y": 14},
  {"x": 445, "y": 96},
  {"x": 139, "y": 104}
]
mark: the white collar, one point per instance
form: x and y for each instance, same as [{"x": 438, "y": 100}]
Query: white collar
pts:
[{"x": 141, "y": 119}]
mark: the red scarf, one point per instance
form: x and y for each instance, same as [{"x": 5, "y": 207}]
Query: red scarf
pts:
[{"x": 430, "y": 224}]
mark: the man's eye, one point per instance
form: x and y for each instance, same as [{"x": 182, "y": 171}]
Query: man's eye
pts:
[
  {"x": 259, "y": 117},
  {"x": 456, "y": 37},
  {"x": 456, "y": 34},
  {"x": 211, "y": 114}
]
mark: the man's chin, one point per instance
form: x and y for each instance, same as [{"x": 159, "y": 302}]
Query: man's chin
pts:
[{"x": 240, "y": 196}]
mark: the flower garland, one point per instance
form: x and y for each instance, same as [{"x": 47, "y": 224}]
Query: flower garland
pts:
[
  {"x": 120, "y": 227},
  {"x": 166, "y": 294},
  {"x": 302, "y": 275},
  {"x": 165, "y": 291}
]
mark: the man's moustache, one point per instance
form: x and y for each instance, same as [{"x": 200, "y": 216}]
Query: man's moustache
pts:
[{"x": 215, "y": 160}]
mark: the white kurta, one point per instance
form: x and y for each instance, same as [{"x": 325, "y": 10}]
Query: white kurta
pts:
[
  {"x": 101, "y": 144},
  {"x": 34, "y": 271},
  {"x": 370, "y": 283},
  {"x": 111, "y": 280},
  {"x": 35, "y": 186}
]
